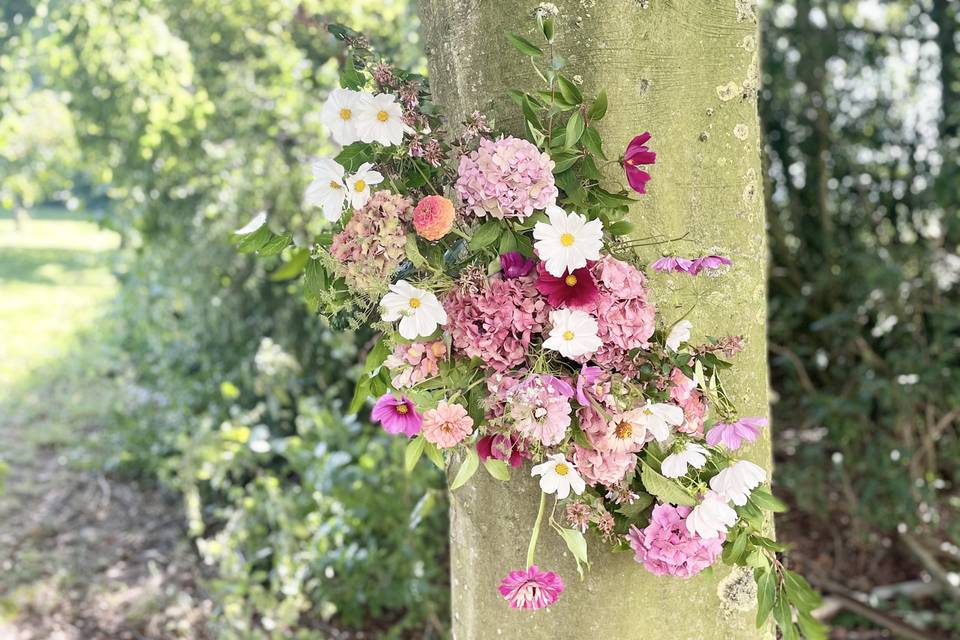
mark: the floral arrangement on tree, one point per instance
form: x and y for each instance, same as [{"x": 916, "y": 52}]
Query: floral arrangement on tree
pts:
[{"x": 518, "y": 329}]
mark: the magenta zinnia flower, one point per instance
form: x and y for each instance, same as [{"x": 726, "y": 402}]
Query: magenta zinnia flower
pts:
[
  {"x": 708, "y": 262},
  {"x": 531, "y": 589},
  {"x": 397, "y": 415},
  {"x": 732, "y": 435},
  {"x": 576, "y": 290},
  {"x": 500, "y": 446},
  {"x": 638, "y": 154},
  {"x": 672, "y": 263},
  {"x": 514, "y": 264}
]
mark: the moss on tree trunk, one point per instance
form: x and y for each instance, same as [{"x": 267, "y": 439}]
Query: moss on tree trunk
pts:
[{"x": 687, "y": 71}]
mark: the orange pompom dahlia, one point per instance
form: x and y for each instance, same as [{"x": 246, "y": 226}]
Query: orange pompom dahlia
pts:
[{"x": 433, "y": 217}]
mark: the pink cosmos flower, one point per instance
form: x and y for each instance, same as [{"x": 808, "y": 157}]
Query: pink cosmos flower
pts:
[
  {"x": 666, "y": 547},
  {"x": 602, "y": 467},
  {"x": 397, "y": 415},
  {"x": 576, "y": 290},
  {"x": 531, "y": 589},
  {"x": 683, "y": 392},
  {"x": 733, "y": 434},
  {"x": 708, "y": 263},
  {"x": 500, "y": 446},
  {"x": 447, "y": 425},
  {"x": 638, "y": 154},
  {"x": 514, "y": 264},
  {"x": 672, "y": 263},
  {"x": 587, "y": 376}
]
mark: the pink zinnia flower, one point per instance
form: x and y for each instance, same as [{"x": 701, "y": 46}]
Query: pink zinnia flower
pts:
[
  {"x": 666, "y": 547},
  {"x": 397, "y": 415},
  {"x": 638, "y": 154},
  {"x": 576, "y": 290},
  {"x": 672, "y": 263},
  {"x": 514, "y": 264},
  {"x": 500, "y": 446},
  {"x": 531, "y": 589},
  {"x": 733, "y": 434},
  {"x": 447, "y": 425},
  {"x": 707, "y": 263},
  {"x": 433, "y": 217}
]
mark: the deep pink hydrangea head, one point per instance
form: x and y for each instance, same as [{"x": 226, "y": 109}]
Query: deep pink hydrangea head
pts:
[
  {"x": 665, "y": 547},
  {"x": 506, "y": 178},
  {"x": 531, "y": 588}
]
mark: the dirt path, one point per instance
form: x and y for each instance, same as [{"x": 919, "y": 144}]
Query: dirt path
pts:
[{"x": 83, "y": 555}]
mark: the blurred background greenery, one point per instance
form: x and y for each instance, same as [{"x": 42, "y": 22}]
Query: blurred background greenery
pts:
[{"x": 136, "y": 134}]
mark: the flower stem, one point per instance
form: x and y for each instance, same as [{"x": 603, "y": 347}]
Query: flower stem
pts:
[{"x": 536, "y": 529}]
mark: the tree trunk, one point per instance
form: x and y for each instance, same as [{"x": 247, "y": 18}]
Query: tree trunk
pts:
[{"x": 687, "y": 71}]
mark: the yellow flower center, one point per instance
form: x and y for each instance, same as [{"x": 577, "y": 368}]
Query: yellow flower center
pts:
[
  {"x": 414, "y": 303},
  {"x": 624, "y": 430},
  {"x": 570, "y": 280},
  {"x": 568, "y": 335},
  {"x": 345, "y": 114},
  {"x": 359, "y": 186},
  {"x": 566, "y": 239},
  {"x": 383, "y": 116},
  {"x": 402, "y": 409},
  {"x": 561, "y": 469},
  {"x": 648, "y": 412},
  {"x": 335, "y": 185}
]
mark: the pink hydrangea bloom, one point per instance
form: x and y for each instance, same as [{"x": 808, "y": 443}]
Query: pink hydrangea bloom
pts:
[
  {"x": 734, "y": 434},
  {"x": 665, "y": 547},
  {"x": 531, "y": 589},
  {"x": 413, "y": 363},
  {"x": 540, "y": 410},
  {"x": 624, "y": 314},
  {"x": 446, "y": 425},
  {"x": 506, "y": 178},
  {"x": 494, "y": 319},
  {"x": 606, "y": 468},
  {"x": 373, "y": 243},
  {"x": 683, "y": 392}
]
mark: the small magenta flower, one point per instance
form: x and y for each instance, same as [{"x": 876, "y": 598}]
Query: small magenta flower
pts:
[
  {"x": 587, "y": 376},
  {"x": 515, "y": 265},
  {"x": 397, "y": 415},
  {"x": 531, "y": 589},
  {"x": 672, "y": 263},
  {"x": 499, "y": 446},
  {"x": 638, "y": 154},
  {"x": 707, "y": 263},
  {"x": 733, "y": 434},
  {"x": 576, "y": 289}
]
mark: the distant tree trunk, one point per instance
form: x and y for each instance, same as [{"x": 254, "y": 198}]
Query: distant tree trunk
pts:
[{"x": 687, "y": 71}]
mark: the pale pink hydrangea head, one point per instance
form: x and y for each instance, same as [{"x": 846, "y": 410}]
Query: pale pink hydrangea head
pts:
[
  {"x": 494, "y": 319},
  {"x": 683, "y": 392},
  {"x": 599, "y": 467},
  {"x": 531, "y": 588},
  {"x": 413, "y": 363},
  {"x": 506, "y": 178},
  {"x": 540, "y": 410},
  {"x": 446, "y": 425},
  {"x": 665, "y": 547},
  {"x": 373, "y": 243}
]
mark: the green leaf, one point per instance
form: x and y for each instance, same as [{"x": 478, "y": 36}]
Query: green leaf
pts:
[
  {"x": 599, "y": 107},
  {"x": 292, "y": 267},
  {"x": 423, "y": 508},
  {"x": 577, "y": 545},
  {"x": 734, "y": 549},
  {"x": 413, "y": 453},
  {"x": 523, "y": 45},
  {"x": 354, "y": 155},
  {"x": 377, "y": 355},
  {"x": 547, "y": 26},
  {"x": 562, "y": 165},
  {"x": 571, "y": 94},
  {"x": 360, "y": 394},
  {"x": 766, "y": 594},
  {"x": 575, "y": 129},
  {"x": 632, "y": 510},
  {"x": 799, "y": 591},
  {"x": 435, "y": 455},
  {"x": 530, "y": 113},
  {"x": 274, "y": 246},
  {"x": 252, "y": 242},
  {"x": 497, "y": 468},
  {"x": 466, "y": 470},
  {"x": 508, "y": 242},
  {"x": 766, "y": 500},
  {"x": 811, "y": 628},
  {"x": 413, "y": 251},
  {"x": 315, "y": 279},
  {"x": 486, "y": 235},
  {"x": 666, "y": 490},
  {"x": 784, "y": 617},
  {"x": 619, "y": 228},
  {"x": 592, "y": 143},
  {"x": 350, "y": 78}
]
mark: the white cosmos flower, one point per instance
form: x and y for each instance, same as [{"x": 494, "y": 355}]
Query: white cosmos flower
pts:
[
  {"x": 340, "y": 113},
  {"x": 418, "y": 310},
  {"x": 358, "y": 185},
  {"x": 574, "y": 333},
  {"x": 380, "y": 119},
  {"x": 711, "y": 517},
  {"x": 658, "y": 418},
  {"x": 254, "y": 224},
  {"x": 567, "y": 241},
  {"x": 559, "y": 476},
  {"x": 737, "y": 481},
  {"x": 328, "y": 190},
  {"x": 675, "y": 464},
  {"x": 679, "y": 333}
]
